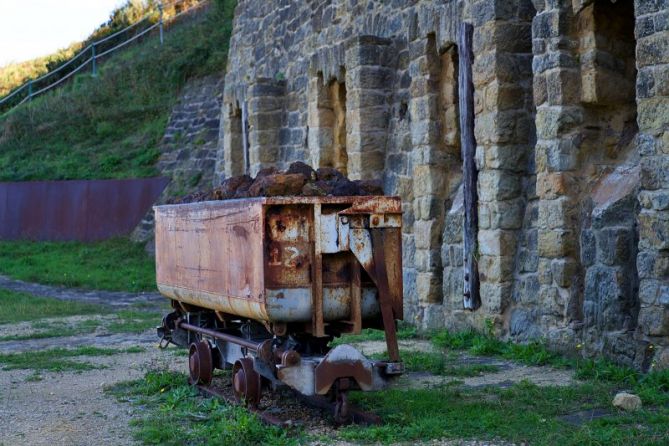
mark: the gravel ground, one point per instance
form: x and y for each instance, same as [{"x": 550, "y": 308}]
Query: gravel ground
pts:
[{"x": 71, "y": 408}]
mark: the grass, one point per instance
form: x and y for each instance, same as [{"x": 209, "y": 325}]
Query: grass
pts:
[
  {"x": 438, "y": 363},
  {"x": 116, "y": 265},
  {"x": 130, "y": 321},
  {"x": 523, "y": 413},
  {"x": 20, "y": 307},
  {"x": 170, "y": 412},
  {"x": 58, "y": 359},
  {"x": 110, "y": 126},
  {"x": 404, "y": 331}
]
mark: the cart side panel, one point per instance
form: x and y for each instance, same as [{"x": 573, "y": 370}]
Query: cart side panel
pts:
[{"x": 211, "y": 254}]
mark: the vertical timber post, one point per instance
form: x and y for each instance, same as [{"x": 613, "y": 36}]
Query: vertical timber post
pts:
[
  {"x": 160, "y": 8},
  {"x": 30, "y": 90},
  {"x": 95, "y": 68},
  {"x": 472, "y": 298},
  {"x": 245, "y": 138}
]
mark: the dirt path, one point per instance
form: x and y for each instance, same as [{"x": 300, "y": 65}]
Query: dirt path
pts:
[{"x": 113, "y": 298}]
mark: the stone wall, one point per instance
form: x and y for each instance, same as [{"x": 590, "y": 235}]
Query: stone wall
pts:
[
  {"x": 189, "y": 149},
  {"x": 571, "y": 131}
]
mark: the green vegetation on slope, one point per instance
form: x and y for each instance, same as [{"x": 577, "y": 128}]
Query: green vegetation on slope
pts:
[
  {"x": 14, "y": 75},
  {"x": 110, "y": 126},
  {"x": 19, "y": 307},
  {"x": 115, "y": 265}
]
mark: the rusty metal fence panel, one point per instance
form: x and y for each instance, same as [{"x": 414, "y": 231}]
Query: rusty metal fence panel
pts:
[{"x": 83, "y": 210}]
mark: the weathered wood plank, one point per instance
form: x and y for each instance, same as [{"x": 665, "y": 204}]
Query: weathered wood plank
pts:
[{"x": 472, "y": 299}]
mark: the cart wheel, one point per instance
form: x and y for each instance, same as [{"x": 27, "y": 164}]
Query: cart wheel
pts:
[
  {"x": 200, "y": 363},
  {"x": 246, "y": 382}
]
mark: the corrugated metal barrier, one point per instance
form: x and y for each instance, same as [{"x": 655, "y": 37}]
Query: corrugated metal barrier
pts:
[{"x": 84, "y": 210}]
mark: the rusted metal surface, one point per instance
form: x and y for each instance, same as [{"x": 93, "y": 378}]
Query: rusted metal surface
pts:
[
  {"x": 200, "y": 363},
  {"x": 343, "y": 361},
  {"x": 246, "y": 382},
  {"x": 75, "y": 210}
]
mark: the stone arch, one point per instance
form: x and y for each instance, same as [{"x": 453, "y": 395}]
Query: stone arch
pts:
[
  {"x": 327, "y": 123},
  {"x": 235, "y": 152},
  {"x": 437, "y": 173}
]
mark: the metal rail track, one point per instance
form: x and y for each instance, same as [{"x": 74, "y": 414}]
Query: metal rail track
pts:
[{"x": 357, "y": 416}]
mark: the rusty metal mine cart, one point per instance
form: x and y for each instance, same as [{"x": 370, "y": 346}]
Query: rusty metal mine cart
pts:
[{"x": 263, "y": 285}]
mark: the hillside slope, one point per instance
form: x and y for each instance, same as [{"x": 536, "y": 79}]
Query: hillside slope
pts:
[{"x": 110, "y": 126}]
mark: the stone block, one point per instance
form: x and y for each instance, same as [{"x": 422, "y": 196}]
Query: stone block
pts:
[
  {"x": 369, "y": 77},
  {"x": 556, "y": 243},
  {"x": 653, "y": 50},
  {"x": 653, "y": 265},
  {"x": 551, "y": 185},
  {"x": 588, "y": 247},
  {"x": 558, "y": 213},
  {"x": 495, "y": 268},
  {"x": 654, "y": 321},
  {"x": 428, "y": 260},
  {"x": 497, "y": 242},
  {"x": 652, "y": 113},
  {"x": 506, "y": 157},
  {"x": 433, "y": 317},
  {"x": 564, "y": 271},
  {"x": 522, "y": 325},
  {"x": 428, "y": 180},
  {"x": 494, "y": 185},
  {"x": 428, "y": 234},
  {"x": 428, "y": 288},
  {"x": 495, "y": 297},
  {"x": 614, "y": 245},
  {"x": 506, "y": 214},
  {"x": 608, "y": 293},
  {"x": 653, "y": 230},
  {"x": 554, "y": 121}
]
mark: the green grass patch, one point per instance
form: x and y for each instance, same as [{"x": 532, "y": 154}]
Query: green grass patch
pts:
[
  {"x": 56, "y": 329},
  {"x": 524, "y": 413},
  {"x": 111, "y": 125},
  {"x": 130, "y": 321},
  {"x": 20, "y": 307},
  {"x": 173, "y": 413},
  {"x": 404, "y": 331},
  {"x": 59, "y": 359},
  {"x": 439, "y": 363},
  {"x": 115, "y": 265}
]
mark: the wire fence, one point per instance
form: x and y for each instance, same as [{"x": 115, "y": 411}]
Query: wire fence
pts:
[{"x": 91, "y": 54}]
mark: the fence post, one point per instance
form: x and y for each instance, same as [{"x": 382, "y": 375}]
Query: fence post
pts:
[
  {"x": 30, "y": 90},
  {"x": 95, "y": 68},
  {"x": 160, "y": 8}
]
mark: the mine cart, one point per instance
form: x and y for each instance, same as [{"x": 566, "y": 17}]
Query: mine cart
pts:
[{"x": 263, "y": 285}]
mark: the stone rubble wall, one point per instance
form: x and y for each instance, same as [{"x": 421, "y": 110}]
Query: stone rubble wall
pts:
[
  {"x": 189, "y": 148},
  {"x": 570, "y": 98}
]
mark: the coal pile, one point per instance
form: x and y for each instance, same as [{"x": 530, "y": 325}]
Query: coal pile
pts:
[{"x": 299, "y": 180}]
